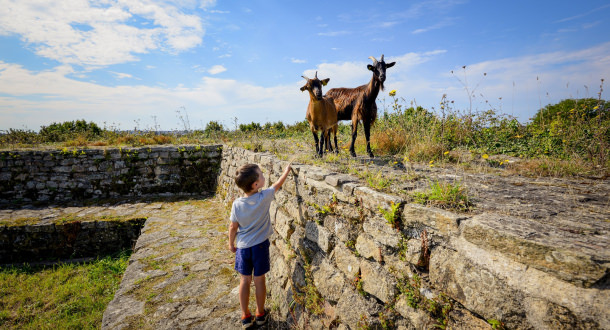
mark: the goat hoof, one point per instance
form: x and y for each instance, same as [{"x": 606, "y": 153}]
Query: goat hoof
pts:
[{"x": 353, "y": 154}]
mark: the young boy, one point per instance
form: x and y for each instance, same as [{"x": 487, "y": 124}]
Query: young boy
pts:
[{"x": 251, "y": 228}]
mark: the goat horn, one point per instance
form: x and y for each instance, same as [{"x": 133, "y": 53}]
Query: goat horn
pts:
[
  {"x": 381, "y": 58},
  {"x": 304, "y": 77},
  {"x": 316, "y": 74},
  {"x": 374, "y": 60}
]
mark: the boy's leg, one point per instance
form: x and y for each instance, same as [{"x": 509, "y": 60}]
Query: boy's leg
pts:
[
  {"x": 244, "y": 294},
  {"x": 261, "y": 294}
]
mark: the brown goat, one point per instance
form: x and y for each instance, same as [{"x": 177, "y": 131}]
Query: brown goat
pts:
[
  {"x": 358, "y": 104},
  {"x": 321, "y": 114}
]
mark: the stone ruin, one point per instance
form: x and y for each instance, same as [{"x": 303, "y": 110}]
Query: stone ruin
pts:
[{"x": 534, "y": 254}]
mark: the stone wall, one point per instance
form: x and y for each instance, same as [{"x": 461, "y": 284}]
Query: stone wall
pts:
[
  {"x": 345, "y": 255},
  {"x": 52, "y": 176},
  {"x": 72, "y": 239}
]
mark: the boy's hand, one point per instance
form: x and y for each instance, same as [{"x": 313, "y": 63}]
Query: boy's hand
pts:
[
  {"x": 283, "y": 177},
  {"x": 232, "y": 249}
]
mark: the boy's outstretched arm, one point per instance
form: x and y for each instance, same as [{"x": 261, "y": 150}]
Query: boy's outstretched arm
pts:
[{"x": 278, "y": 184}]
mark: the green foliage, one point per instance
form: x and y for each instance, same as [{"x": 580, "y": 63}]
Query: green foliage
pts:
[
  {"x": 60, "y": 132},
  {"x": 445, "y": 195},
  {"x": 252, "y": 127},
  {"x": 393, "y": 215},
  {"x": 495, "y": 324},
  {"x": 213, "y": 128},
  {"x": 309, "y": 296},
  {"x": 276, "y": 127},
  {"x": 19, "y": 137},
  {"x": 71, "y": 295}
]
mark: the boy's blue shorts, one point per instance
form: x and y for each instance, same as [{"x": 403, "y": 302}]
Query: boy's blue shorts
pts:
[{"x": 253, "y": 258}]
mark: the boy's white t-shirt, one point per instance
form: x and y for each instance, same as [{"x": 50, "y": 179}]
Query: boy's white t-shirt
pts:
[{"x": 252, "y": 215}]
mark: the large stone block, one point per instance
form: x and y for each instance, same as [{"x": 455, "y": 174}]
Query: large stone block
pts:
[
  {"x": 373, "y": 200},
  {"x": 352, "y": 307},
  {"x": 329, "y": 280},
  {"x": 346, "y": 261},
  {"x": 283, "y": 224},
  {"x": 319, "y": 235},
  {"x": 439, "y": 221},
  {"x": 381, "y": 231},
  {"x": 377, "y": 281},
  {"x": 369, "y": 248},
  {"x": 496, "y": 287},
  {"x": 583, "y": 260}
]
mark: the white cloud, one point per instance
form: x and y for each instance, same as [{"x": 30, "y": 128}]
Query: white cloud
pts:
[
  {"x": 121, "y": 75},
  {"x": 297, "y": 61},
  {"x": 216, "y": 69},
  {"x": 388, "y": 24},
  {"x": 109, "y": 32},
  {"x": 444, "y": 23},
  {"x": 333, "y": 33}
]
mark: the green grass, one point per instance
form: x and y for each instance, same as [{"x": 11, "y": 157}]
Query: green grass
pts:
[
  {"x": 445, "y": 195},
  {"x": 69, "y": 296}
]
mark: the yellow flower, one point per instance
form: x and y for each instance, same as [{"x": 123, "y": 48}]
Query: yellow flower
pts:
[
  {"x": 406, "y": 159},
  {"x": 596, "y": 107},
  {"x": 485, "y": 156},
  {"x": 393, "y": 92},
  {"x": 446, "y": 153},
  {"x": 431, "y": 162}
]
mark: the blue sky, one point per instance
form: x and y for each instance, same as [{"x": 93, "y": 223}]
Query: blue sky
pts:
[{"x": 144, "y": 64}]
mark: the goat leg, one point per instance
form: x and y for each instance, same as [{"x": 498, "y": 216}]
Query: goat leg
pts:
[
  {"x": 329, "y": 145},
  {"x": 336, "y": 147},
  {"x": 354, "y": 135},
  {"x": 322, "y": 140},
  {"x": 315, "y": 138},
  {"x": 367, "y": 136}
]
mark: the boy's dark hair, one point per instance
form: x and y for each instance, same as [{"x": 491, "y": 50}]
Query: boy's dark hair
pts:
[{"x": 245, "y": 176}]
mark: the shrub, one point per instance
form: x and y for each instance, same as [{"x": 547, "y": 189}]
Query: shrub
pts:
[{"x": 60, "y": 132}]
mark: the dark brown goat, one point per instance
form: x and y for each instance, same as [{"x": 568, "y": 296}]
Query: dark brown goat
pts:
[
  {"x": 358, "y": 104},
  {"x": 321, "y": 114}
]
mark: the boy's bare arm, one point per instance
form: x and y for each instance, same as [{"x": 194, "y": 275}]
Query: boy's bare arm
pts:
[
  {"x": 277, "y": 185},
  {"x": 232, "y": 233}
]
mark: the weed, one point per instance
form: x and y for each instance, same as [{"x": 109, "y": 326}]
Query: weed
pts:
[
  {"x": 393, "y": 215},
  {"x": 363, "y": 323},
  {"x": 386, "y": 322},
  {"x": 403, "y": 248},
  {"x": 424, "y": 257},
  {"x": 308, "y": 296},
  {"x": 445, "y": 195},
  {"x": 357, "y": 284},
  {"x": 495, "y": 324}
]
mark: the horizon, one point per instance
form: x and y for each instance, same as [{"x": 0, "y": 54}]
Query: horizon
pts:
[{"x": 142, "y": 64}]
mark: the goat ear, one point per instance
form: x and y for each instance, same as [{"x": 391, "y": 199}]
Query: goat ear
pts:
[
  {"x": 389, "y": 65},
  {"x": 370, "y": 67},
  {"x": 324, "y": 81},
  {"x": 303, "y": 88}
]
